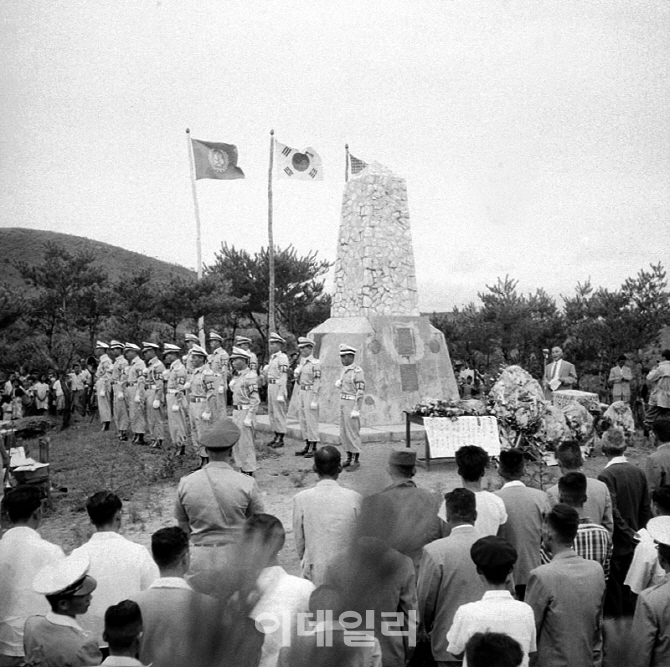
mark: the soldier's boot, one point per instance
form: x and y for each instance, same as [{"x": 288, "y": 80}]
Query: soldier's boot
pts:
[
  {"x": 157, "y": 444},
  {"x": 140, "y": 439},
  {"x": 274, "y": 440},
  {"x": 105, "y": 426},
  {"x": 310, "y": 454},
  {"x": 135, "y": 437},
  {"x": 123, "y": 436},
  {"x": 347, "y": 463},
  {"x": 304, "y": 451},
  {"x": 279, "y": 442},
  {"x": 355, "y": 465}
]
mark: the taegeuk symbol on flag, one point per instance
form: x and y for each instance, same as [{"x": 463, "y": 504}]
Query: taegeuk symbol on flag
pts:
[{"x": 296, "y": 165}]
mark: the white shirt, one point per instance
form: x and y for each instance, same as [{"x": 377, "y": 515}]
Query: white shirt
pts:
[
  {"x": 282, "y": 597},
  {"x": 121, "y": 661},
  {"x": 644, "y": 570},
  {"x": 122, "y": 569},
  {"x": 497, "y": 611},
  {"x": 616, "y": 459},
  {"x": 23, "y": 553},
  {"x": 491, "y": 513}
]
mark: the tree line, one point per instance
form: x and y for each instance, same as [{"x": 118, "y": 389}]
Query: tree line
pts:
[
  {"x": 69, "y": 301},
  {"x": 594, "y": 326}
]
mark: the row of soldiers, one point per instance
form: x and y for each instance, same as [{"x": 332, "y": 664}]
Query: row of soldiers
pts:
[{"x": 135, "y": 388}]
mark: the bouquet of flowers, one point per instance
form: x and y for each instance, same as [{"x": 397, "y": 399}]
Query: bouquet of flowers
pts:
[
  {"x": 621, "y": 416},
  {"x": 579, "y": 421},
  {"x": 554, "y": 428},
  {"x": 436, "y": 407}
]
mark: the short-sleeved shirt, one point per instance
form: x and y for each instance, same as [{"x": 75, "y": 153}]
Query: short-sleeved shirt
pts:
[
  {"x": 215, "y": 502},
  {"x": 497, "y": 611},
  {"x": 491, "y": 513}
]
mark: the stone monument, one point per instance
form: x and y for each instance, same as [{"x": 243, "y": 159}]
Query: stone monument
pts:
[{"x": 375, "y": 307}]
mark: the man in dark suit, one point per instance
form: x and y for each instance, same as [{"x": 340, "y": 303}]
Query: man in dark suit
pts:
[
  {"x": 631, "y": 509},
  {"x": 658, "y": 463}
]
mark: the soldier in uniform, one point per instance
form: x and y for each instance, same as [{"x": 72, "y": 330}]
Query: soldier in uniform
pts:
[
  {"x": 213, "y": 503},
  {"x": 308, "y": 383},
  {"x": 201, "y": 399},
  {"x": 189, "y": 340},
  {"x": 245, "y": 344},
  {"x": 154, "y": 393},
  {"x": 276, "y": 374},
  {"x": 246, "y": 400},
  {"x": 121, "y": 418},
  {"x": 352, "y": 389},
  {"x": 177, "y": 405},
  {"x": 103, "y": 376},
  {"x": 134, "y": 392},
  {"x": 220, "y": 365}
]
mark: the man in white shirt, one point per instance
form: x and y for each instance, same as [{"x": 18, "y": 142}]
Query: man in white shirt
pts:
[
  {"x": 282, "y": 596},
  {"x": 324, "y": 517},
  {"x": 497, "y": 611},
  {"x": 122, "y": 568},
  {"x": 471, "y": 462},
  {"x": 23, "y": 553}
]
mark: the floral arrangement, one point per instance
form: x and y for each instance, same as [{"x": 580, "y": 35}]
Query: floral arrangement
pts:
[
  {"x": 435, "y": 407},
  {"x": 621, "y": 416},
  {"x": 579, "y": 421}
]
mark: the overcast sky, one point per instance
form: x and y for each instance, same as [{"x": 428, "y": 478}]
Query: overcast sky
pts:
[{"x": 533, "y": 135}]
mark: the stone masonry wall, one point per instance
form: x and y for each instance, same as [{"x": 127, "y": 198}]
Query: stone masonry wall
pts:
[{"x": 374, "y": 270}]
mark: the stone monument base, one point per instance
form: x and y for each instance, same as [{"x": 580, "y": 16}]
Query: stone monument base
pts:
[{"x": 405, "y": 360}]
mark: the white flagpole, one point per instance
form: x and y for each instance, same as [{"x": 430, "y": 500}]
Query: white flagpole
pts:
[
  {"x": 198, "y": 243},
  {"x": 271, "y": 247}
]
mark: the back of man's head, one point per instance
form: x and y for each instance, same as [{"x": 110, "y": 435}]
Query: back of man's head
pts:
[
  {"x": 661, "y": 500},
  {"x": 22, "y": 502},
  {"x": 572, "y": 489},
  {"x": 511, "y": 464},
  {"x": 563, "y": 521},
  {"x": 168, "y": 545},
  {"x": 102, "y": 507},
  {"x": 461, "y": 506},
  {"x": 662, "y": 430},
  {"x": 569, "y": 455},
  {"x": 123, "y": 627},
  {"x": 666, "y": 355},
  {"x": 493, "y": 649},
  {"x": 327, "y": 461},
  {"x": 614, "y": 442},
  {"x": 471, "y": 462},
  {"x": 266, "y": 531}
]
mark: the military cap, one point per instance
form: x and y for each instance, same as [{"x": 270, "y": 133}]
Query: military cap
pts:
[
  {"x": 241, "y": 340},
  {"x": 171, "y": 348},
  {"x": 347, "y": 349},
  {"x": 402, "y": 457},
  {"x": 101, "y": 345},
  {"x": 276, "y": 338},
  {"x": 150, "y": 346},
  {"x": 223, "y": 435},
  {"x": 196, "y": 349},
  {"x": 305, "y": 342},
  {"x": 239, "y": 353},
  {"x": 213, "y": 335},
  {"x": 192, "y": 337},
  {"x": 493, "y": 552},
  {"x": 67, "y": 576},
  {"x": 659, "y": 529},
  {"x": 116, "y": 344},
  {"x": 131, "y": 346}
]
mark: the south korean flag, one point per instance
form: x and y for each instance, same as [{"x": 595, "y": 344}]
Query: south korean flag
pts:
[{"x": 297, "y": 165}]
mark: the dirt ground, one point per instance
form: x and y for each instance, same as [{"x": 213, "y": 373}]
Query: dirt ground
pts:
[{"x": 84, "y": 460}]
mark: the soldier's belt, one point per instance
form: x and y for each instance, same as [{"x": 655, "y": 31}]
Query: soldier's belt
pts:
[
  {"x": 130, "y": 384},
  {"x": 241, "y": 407},
  {"x": 197, "y": 400},
  {"x": 306, "y": 386},
  {"x": 272, "y": 380},
  {"x": 173, "y": 391},
  {"x": 151, "y": 386},
  {"x": 348, "y": 397}
]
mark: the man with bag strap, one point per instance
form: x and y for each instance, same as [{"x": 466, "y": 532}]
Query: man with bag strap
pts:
[
  {"x": 308, "y": 383},
  {"x": 121, "y": 417},
  {"x": 352, "y": 390},
  {"x": 276, "y": 373},
  {"x": 103, "y": 375},
  {"x": 220, "y": 365},
  {"x": 213, "y": 503},
  {"x": 154, "y": 393},
  {"x": 175, "y": 378},
  {"x": 246, "y": 400}
]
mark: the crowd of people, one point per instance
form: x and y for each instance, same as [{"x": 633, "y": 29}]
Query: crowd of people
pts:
[{"x": 513, "y": 577}]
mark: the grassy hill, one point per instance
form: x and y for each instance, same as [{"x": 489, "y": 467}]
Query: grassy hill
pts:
[{"x": 17, "y": 244}]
